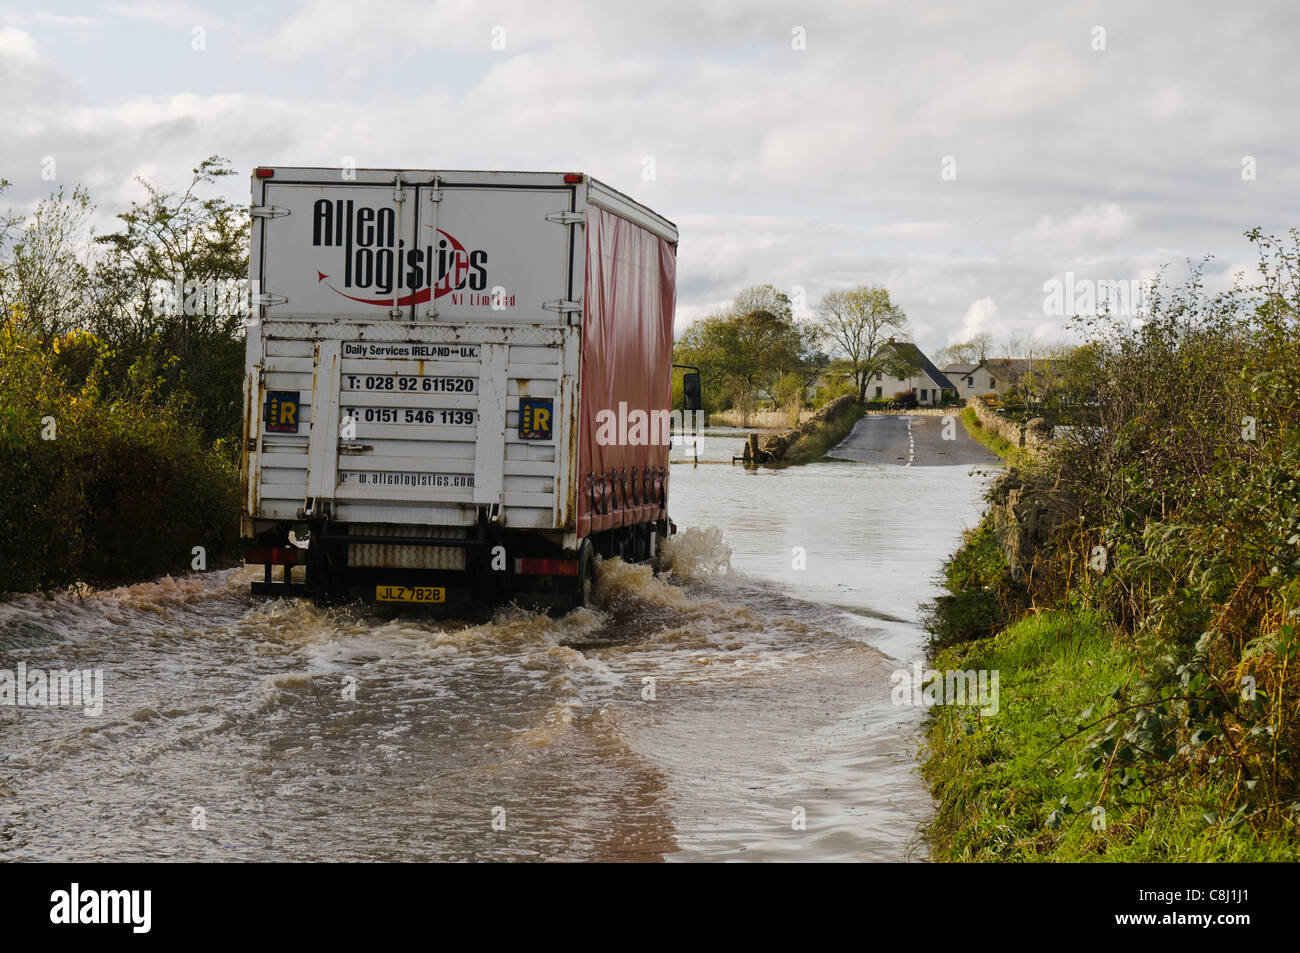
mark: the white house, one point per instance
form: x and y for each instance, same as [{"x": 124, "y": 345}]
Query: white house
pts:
[
  {"x": 972, "y": 380},
  {"x": 993, "y": 375},
  {"x": 927, "y": 382}
]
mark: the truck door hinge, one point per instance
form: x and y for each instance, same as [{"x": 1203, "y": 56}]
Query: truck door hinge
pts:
[
  {"x": 399, "y": 189},
  {"x": 314, "y": 508},
  {"x": 567, "y": 218},
  {"x": 266, "y": 298},
  {"x": 435, "y": 193},
  {"x": 571, "y": 309},
  {"x": 268, "y": 211}
]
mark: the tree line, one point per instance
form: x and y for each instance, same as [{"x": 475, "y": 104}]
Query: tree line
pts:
[{"x": 757, "y": 350}]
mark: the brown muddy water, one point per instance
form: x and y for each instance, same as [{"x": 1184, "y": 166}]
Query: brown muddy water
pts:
[{"x": 228, "y": 731}]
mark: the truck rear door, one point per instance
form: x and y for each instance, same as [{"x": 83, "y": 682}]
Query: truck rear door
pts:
[{"x": 437, "y": 323}]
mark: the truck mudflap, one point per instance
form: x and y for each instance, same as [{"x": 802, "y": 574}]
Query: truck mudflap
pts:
[{"x": 269, "y": 557}]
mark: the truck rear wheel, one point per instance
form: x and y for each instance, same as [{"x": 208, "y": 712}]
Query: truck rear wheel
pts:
[{"x": 586, "y": 574}]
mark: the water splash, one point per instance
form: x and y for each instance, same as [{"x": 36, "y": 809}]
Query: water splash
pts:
[{"x": 696, "y": 552}]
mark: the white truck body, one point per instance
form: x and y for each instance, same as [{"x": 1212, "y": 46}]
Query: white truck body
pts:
[{"x": 398, "y": 320}]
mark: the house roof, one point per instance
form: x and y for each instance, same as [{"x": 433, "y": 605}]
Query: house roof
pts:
[
  {"x": 915, "y": 353},
  {"x": 1013, "y": 368},
  {"x": 1009, "y": 367}
]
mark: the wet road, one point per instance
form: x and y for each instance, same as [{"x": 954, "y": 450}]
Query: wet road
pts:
[
  {"x": 735, "y": 708},
  {"x": 920, "y": 440}
]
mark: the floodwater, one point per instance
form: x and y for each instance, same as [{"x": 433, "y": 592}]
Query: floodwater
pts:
[{"x": 736, "y": 708}]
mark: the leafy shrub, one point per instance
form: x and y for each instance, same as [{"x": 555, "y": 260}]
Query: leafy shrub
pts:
[
  {"x": 835, "y": 387},
  {"x": 982, "y": 594},
  {"x": 124, "y": 489},
  {"x": 1172, "y": 513}
]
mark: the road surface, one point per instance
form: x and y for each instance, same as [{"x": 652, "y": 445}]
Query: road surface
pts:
[{"x": 912, "y": 440}]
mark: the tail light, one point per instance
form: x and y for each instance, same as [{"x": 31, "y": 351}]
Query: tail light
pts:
[
  {"x": 272, "y": 555},
  {"x": 533, "y": 566}
]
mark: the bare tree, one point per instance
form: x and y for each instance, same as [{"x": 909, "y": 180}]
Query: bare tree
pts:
[
  {"x": 9, "y": 222},
  {"x": 971, "y": 351},
  {"x": 45, "y": 268},
  {"x": 856, "y": 323}
]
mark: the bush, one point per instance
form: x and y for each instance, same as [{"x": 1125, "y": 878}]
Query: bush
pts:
[
  {"x": 835, "y": 387},
  {"x": 1170, "y": 514},
  {"x": 982, "y": 593},
  {"x": 124, "y": 489}
]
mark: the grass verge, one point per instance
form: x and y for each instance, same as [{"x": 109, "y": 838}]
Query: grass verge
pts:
[
  {"x": 1009, "y": 786},
  {"x": 821, "y": 436},
  {"x": 1004, "y": 448}
]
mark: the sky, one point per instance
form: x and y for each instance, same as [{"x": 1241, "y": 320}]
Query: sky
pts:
[{"x": 962, "y": 154}]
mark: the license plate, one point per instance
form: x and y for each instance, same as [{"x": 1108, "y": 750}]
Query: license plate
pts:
[{"x": 410, "y": 594}]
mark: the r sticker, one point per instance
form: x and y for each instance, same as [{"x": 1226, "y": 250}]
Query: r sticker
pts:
[
  {"x": 535, "y": 418},
  {"x": 282, "y": 411}
]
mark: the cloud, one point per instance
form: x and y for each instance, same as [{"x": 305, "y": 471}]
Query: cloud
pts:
[
  {"x": 169, "y": 13},
  {"x": 979, "y": 319},
  {"x": 817, "y": 167},
  {"x": 1091, "y": 229},
  {"x": 17, "y": 48},
  {"x": 45, "y": 18}
]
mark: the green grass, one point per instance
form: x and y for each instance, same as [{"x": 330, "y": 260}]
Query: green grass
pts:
[
  {"x": 998, "y": 779},
  {"x": 821, "y": 437},
  {"x": 1004, "y": 448}
]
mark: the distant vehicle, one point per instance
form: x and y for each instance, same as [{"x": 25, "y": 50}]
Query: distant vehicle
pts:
[{"x": 457, "y": 384}]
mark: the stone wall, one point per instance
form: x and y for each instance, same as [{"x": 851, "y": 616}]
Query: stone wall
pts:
[
  {"x": 1028, "y": 514},
  {"x": 758, "y": 419},
  {"x": 917, "y": 411},
  {"x": 772, "y": 447},
  {"x": 1035, "y": 436}
]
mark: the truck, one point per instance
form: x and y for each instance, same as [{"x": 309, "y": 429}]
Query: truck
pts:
[{"x": 457, "y": 384}]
